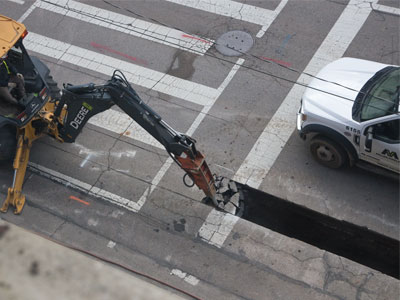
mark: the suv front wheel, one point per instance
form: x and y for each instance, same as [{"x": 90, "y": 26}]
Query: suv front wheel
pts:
[{"x": 327, "y": 152}]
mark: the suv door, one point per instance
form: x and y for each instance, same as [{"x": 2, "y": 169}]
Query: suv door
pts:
[{"x": 380, "y": 143}]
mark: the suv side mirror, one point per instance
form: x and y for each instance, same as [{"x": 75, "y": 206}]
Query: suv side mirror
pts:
[{"x": 368, "y": 140}]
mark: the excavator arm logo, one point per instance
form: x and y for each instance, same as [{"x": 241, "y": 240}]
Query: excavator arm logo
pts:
[{"x": 81, "y": 115}]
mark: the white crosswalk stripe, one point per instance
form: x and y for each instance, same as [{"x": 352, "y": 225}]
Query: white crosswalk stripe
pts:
[
  {"x": 236, "y": 10},
  {"x": 114, "y": 120},
  {"x": 138, "y": 75},
  {"x": 85, "y": 187},
  {"x": 128, "y": 25}
]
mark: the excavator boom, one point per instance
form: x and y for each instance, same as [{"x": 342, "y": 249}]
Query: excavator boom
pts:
[
  {"x": 85, "y": 101},
  {"x": 79, "y": 103}
]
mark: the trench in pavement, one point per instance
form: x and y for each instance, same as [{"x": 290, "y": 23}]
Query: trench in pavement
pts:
[{"x": 340, "y": 237}]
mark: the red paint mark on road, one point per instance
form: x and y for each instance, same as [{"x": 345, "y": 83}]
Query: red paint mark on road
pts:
[
  {"x": 79, "y": 200},
  {"x": 281, "y": 62},
  {"x": 195, "y": 38},
  {"x": 108, "y": 49}
]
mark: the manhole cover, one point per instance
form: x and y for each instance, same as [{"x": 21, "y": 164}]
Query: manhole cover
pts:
[{"x": 234, "y": 43}]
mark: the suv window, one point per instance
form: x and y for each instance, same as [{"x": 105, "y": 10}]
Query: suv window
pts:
[
  {"x": 388, "y": 132},
  {"x": 383, "y": 97}
]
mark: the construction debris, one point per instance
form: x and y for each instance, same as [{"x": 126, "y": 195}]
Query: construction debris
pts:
[{"x": 228, "y": 196}]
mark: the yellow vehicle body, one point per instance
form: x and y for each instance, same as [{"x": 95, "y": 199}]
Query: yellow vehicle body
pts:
[{"x": 10, "y": 32}]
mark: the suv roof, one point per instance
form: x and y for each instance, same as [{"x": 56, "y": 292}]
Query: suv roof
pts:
[{"x": 10, "y": 33}]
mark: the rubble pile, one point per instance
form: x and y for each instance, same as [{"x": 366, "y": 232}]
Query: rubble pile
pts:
[{"x": 228, "y": 196}]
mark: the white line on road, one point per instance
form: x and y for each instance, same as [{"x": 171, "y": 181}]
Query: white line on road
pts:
[
  {"x": 236, "y": 10},
  {"x": 217, "y": 227},
  {"x": 125, "y": 24},
  {"x": 279, "y": 129},
  {"x": 386, "y": 9},
  {"x": 157, "y": 81},
  {"x": 84, "y": 162},
  {"x": 85, "y": 187},
  {"x": 28, "y": 11},
  {"x": 271, "y": 18},
  {"x": 111, "y": 244},
  {"x": 121, "y": 123},
  {"x": 183, "y": 275},
  {"x": 17, "y": 1}
]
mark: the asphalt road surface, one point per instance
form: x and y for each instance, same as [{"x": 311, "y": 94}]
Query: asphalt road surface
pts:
[{"x": 117, "y": 193}]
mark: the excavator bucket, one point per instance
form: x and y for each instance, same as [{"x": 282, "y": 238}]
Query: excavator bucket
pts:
[{"x": 200, "y": 173}]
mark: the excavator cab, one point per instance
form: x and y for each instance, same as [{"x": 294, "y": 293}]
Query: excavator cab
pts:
[
  {"x": 21, "y": 124},
  {"x": 39, "y": 86}
]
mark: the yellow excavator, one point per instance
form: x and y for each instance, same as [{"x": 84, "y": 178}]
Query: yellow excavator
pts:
[{"x": 45, "y": 110}]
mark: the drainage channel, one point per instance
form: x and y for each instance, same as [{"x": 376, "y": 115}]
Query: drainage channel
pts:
[{"x": 354, "y": 242}]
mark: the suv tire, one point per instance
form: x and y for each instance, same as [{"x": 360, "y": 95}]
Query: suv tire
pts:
[{"x": 327, "y": 152}]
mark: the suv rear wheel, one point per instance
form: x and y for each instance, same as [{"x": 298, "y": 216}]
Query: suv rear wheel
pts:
[{"x": 327, "y": 152}]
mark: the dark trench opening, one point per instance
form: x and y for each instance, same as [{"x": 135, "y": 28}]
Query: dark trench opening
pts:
[{"x": 345, "y": 239}]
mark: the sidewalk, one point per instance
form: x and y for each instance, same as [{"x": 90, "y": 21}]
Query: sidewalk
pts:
[{"x": 34, "y": 268}]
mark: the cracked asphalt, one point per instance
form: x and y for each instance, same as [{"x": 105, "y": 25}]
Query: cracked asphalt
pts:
[{"x": 254, "y": 262}]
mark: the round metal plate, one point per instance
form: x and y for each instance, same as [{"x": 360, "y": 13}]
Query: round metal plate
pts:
[{"x": 234, "y": 43}]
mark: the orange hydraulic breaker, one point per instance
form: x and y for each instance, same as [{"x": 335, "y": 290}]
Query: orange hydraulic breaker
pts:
[{"x": 200, "y": 173}]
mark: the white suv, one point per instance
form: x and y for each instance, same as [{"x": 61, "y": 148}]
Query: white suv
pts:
[{"x": 351, "y": 111}]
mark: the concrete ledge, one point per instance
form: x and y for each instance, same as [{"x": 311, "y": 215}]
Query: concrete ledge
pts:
[{"x": 32, "y": 267}]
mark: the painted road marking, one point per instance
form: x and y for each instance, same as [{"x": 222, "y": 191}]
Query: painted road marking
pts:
[
  {"x": 217, "y": 227},
  {"x": 236, "y": 10},
  {"x": 125, "y": 24},
  {"x": 116, "y": 121},
  {"x": 79, "y": 200},
  {"x": 281, "y": 62},
  {"x": 111, "y": 244},
  {"x": 138, "y": 75},
  {"x": 386, "y": 9},
  {"x": 108, "y": 49},
  {"x": 17, "y": 1},
  {"x": 183, "y": 275},
  {"x": 279, "y": 129},
  {"x": 84, "y": 187},
  {"x": 28, "y": 11},
  {"x": 121, "y": 123},
  {"x": 84, "y": 162}
]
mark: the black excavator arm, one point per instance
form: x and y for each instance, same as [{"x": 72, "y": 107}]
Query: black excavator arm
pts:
[
  {"x": 64, "y": 119},
  {"x": 84, "y": 101}
]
